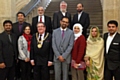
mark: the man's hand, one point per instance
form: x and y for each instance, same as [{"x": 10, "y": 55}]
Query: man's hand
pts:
[
  {"x": 87, "y": 63},
  {"x": 32, "y": 62},
  {"x": 27, "y": 59},
  {"x": 50, "y": 63},
  {"x": 61, "y": 58},
  {"x": 2, "y": 65}
]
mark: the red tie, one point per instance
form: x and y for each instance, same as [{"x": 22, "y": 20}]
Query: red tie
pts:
[{"x": 40, "y": 18}]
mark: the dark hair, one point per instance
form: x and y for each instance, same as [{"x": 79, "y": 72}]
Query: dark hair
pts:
[
  {"x": 7, "y": 21},
  {"x": 113, "y": 22},
  {"x": 65, "y": 17},
  {"x": 81, "y": 4},
  {"x": 41, "y": 23},
  {"x": 20, "y": 13}
]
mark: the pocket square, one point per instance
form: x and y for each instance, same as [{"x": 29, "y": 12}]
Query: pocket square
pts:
[{"x": 115, "y": 43}]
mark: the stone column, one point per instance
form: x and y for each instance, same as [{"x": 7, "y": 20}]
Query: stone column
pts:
[
  {"x": 7, "y": 11},
  {"x": 111, "y": 11}
]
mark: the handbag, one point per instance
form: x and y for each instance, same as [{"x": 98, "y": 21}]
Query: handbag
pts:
[{"x": 82, "y": 65}]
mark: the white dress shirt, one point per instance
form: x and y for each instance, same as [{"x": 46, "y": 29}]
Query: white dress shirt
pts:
[
  {"x": 79, "y": 15},
  {"x": 63, "y": 13},
  {"x": 63, "y": 29},
  {"x": 43, "y": 18},
  {"x": 42, "y": 37},
  {"x": 109, "y": 40}
]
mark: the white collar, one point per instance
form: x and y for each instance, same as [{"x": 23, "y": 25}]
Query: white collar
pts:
[
  {"x": 112, "y": 35},
  {"x": 63, "y": 29}
]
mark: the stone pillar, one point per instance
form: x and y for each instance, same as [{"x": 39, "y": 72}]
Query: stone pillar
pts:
[
  {"x": 111, "y": 11},
  {"x": 7, "y": 11}
]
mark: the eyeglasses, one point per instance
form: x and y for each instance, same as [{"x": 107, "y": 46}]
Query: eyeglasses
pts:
[{"x": 65, "y": 22}]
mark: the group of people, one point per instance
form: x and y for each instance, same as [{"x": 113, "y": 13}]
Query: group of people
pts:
[{"x": 25, "y": 48}]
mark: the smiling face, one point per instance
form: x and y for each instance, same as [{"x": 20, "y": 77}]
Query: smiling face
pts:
[
  {"x": 8, "y": 27},
  {"x": 27, "y": 30},
  {"x": 20, "y": 17},
  {"x": 41, "y": 28},
  {"x": 64, "y": 23},
  {"x": 63, "y": 6},
  {"x": 112, "y": 28},
  {"x": 94, "y": 32},
  {"x": 76, "y": 29}
]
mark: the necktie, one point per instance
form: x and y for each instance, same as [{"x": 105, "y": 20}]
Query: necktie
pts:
[
  {"x": 10, "y": 38},
  {"x": 40, "y": 37},
  {"x": 20, "y": 27},
  {"x": 62, "y": 33},
  {"x": 40, "y": 18}
]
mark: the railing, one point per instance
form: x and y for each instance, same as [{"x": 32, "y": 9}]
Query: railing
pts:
[
  {"x": 31, "y": 5},
  {"x": 101, "y": 3},
  {"x": 30, "y": 10}
]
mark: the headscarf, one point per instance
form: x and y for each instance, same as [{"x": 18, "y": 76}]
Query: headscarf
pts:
[
  {"x": 81, "y": 30},
  {"x": 94, "y": 38}
]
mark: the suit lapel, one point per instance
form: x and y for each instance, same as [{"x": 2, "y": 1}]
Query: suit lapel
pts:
[
  {"x": 61, "y": 15},
  {"x": 45, "y": 20},
  {"x": 81, "y": 16},
  {"x": 65, "y": 35},
  {"x": 6, "y": 37},
  {"x": 115, "y": 37},
  {"x": 77, "y": 17},
  {"x": 17, "y": 27},
  {"x": 105, "y": 40}
]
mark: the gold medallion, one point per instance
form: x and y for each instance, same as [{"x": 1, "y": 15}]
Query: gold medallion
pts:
[
  {"x": 39, "y": 45},
  {"x": 40, "y": 42}
]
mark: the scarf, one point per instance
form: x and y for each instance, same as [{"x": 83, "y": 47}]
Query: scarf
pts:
[
  {"x": 28, "y": 38},
  {"x": 79, "y": 33}
]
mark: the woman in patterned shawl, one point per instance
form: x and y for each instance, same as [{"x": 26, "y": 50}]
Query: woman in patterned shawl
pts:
[{"x": 94, "y": 56}]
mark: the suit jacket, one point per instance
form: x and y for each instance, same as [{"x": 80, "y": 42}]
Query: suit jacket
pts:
[
  {"x": 57, "y": 17},
  {"x": 62, "y": 46},
  {"x": 15, "y": 28},
  {"x": 84, "y": 21},
  {"x": 8, "y": 50},
  {"x": 42, "y": 55},
  {"x": 112, "y": 58},
  {"x": 47, "y": 23},
  {"x": 23, "y": 48}
]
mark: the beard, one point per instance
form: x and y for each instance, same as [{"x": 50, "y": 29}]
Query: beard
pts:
[
  {"x": 63, "y": 10},
  {"x": 79, "y": 11}
]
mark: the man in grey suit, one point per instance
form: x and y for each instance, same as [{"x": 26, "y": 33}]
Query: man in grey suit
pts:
[{"x": 62, "y": 43}]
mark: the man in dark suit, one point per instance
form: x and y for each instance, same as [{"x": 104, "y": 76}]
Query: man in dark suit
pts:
[
  {"x": 41, "y": 18},
  {"x": 112, "y": 52},
  {"x": 57, "y": 16},
  {"x": 18, "y": 26},
  {"x": 41, "y": 53},
  {"x": 18, "y": 30},
  {"x": 8, "y": 53},
  {"x": 82, "y": 18}
]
